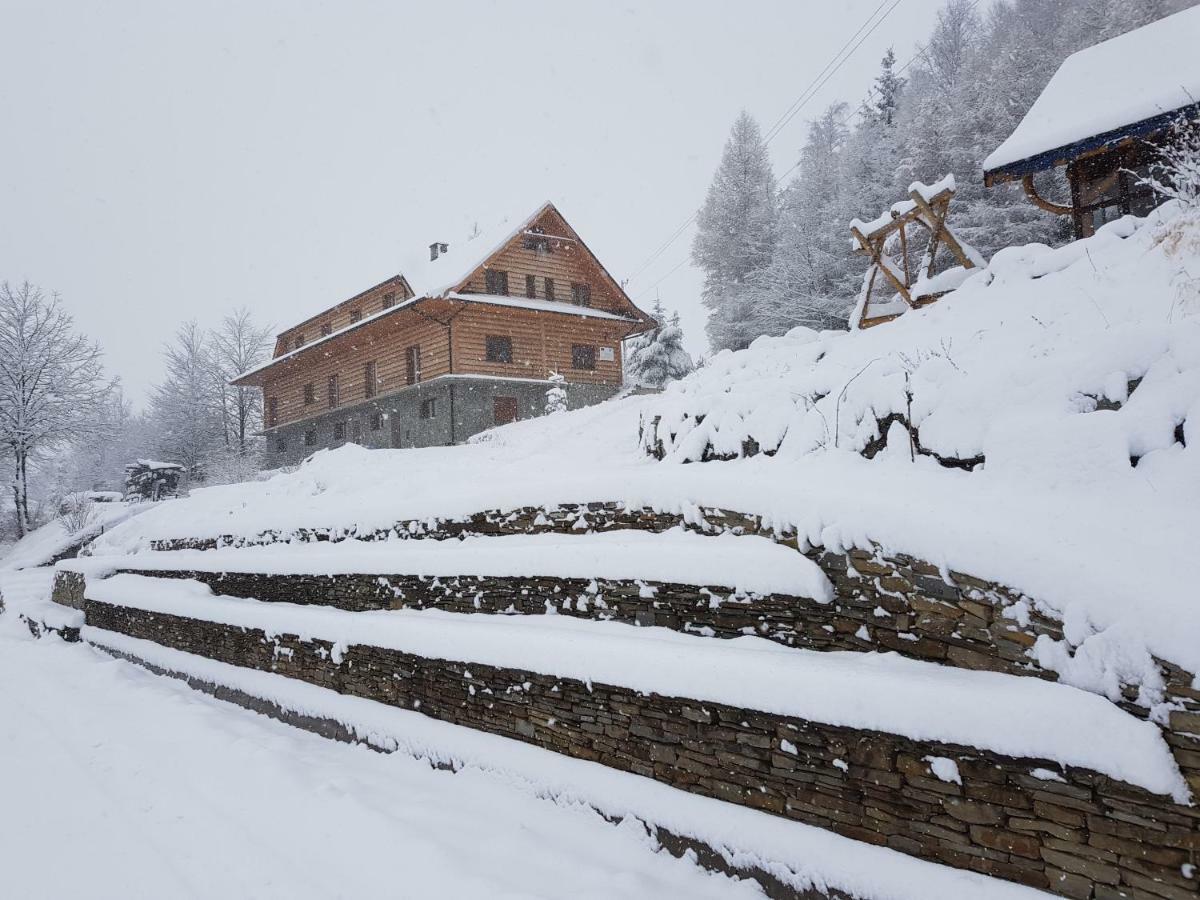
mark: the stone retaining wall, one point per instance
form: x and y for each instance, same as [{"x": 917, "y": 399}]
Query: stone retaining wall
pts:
[
  {"x": 1085, "y": 835},
  {"x": 905, "y": 604}
]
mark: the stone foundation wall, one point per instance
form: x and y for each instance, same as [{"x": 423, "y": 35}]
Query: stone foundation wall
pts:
[{"x": 1085, "y": 835}]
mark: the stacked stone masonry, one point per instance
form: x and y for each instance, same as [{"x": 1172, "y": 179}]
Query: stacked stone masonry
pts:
[
  {"x": 1085, "y": 835},
  {"x": 905, "y": 605}
]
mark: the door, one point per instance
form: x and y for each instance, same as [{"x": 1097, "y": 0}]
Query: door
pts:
[{"x": 504, "y": 410}]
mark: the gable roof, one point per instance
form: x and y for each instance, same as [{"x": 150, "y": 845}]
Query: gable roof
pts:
[
  {"x": 438, "y": 277},
  {"x": 430, "y": 279},
  {"x": 1126, "y": 86}
]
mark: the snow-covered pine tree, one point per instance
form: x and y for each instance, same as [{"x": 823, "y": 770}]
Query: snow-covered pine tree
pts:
[
  {"x": 556, "y": 397},
  {"x": 736, "y": 235},
  {"x": 660, "y": 357},
  {"x": 811, "y": 273},
  {"x": 888, "y": 86}
]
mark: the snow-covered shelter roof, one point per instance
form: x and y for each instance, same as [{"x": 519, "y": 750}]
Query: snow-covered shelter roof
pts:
[{"x": 1127, "y": 86}]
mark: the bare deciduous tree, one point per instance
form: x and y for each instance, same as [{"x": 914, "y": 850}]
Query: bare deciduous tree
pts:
[
  {"x": 51, "y": 384},
  {"x": 238, "y": 345}
]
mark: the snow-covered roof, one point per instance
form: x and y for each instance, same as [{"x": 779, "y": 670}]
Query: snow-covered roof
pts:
[
  {"x": 154, "y": 464},
  {"x": 437, "y": 278},
  {"x": 1148, "y": 73}
]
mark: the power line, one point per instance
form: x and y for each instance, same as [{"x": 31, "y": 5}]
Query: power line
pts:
[
  {"x": 799, "y": 101},
  {"x": 821, "y": 83},
  {"x": 675, "y": 268},
  {"x": 838, "y": 60}
]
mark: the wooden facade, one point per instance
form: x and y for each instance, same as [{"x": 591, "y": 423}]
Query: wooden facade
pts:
[{"x": 539, "y": 303}]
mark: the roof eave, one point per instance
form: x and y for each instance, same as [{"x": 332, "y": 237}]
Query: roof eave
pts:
[{"x": 1060, "y": 156}]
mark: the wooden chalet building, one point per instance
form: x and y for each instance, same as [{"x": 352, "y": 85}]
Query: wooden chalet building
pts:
[
  {"x": 1101, "y": 116},
  {"x": 464, "y": 341}
]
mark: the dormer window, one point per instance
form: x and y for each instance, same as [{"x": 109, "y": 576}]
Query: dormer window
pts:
[
  {"x": 326, "y": 330},
  {"x": 389, "y": 300},
  {"x": 355, "y": 315},
  {"x": 496, "y": 282},
  {"x": 299, "y": 340}
]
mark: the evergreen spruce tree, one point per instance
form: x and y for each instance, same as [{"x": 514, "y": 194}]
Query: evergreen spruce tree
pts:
[
  {"x": 660, "y": 358},
  {"x": 736, "y": 235},
  {"x": 888, "y": 86}
]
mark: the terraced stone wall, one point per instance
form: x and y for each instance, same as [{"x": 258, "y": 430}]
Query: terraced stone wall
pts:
[
  {"x": 890, "y": 602},
  {"x": 1074, "y": 832}
]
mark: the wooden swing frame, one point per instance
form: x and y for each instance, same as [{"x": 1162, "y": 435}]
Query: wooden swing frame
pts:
[{"x": 928, "y": 214}]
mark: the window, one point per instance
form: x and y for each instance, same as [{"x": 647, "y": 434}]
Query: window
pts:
[
  {"x": 326, "y": 330},
  {"x": 334, "y": 397},
  {"x": 530, "y": 286},
  {"x": 412, "y": 361},
  {"x": 536, "y": 240},
  {"x": 376, "y": 421},
  {"x": 583, "y": 356},
  {"x": 272, "y": 411},
  {"x": 499, "y": 349},
  {"x": 339, "y": 431},
  {"x": 549, "y": 288},
  {"x": 581, "y": 294},
  {"x": 310, "y": 394},
  {"x": 299, "y": 340},
  {"x": 429, "y": 408},
  {"x": 496, "y": 282},
  {"x": 280, "y": 444},
  {"x": 370, "y": 379},
  {"x": 355, "y": 315},
  {"x": 356, "y": 430},
  {"x": 504, "y": 410},
  {"x": 310, "y": 438},
  {"x": 389, "y": 300}
]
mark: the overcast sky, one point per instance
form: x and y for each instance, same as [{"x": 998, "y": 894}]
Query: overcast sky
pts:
[{"x": 163, "y": 161}]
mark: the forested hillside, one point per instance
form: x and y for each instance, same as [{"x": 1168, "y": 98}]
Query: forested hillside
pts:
[{"x": 776, "y": 250}]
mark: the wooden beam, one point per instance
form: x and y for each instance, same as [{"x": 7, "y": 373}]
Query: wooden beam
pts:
[
  {"x": 1041, "y": 202},
  {"x": 941, "y": 231}
]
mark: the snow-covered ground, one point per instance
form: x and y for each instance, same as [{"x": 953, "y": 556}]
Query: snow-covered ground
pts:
[
  {"x": 44, "y": 543},
  {"x": 1023, "y": 364},
  {"x": 131, "y": 785},
  {"x": 746, "y": 563}
]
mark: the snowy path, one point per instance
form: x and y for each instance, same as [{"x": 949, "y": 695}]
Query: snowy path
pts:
[{"x": 130, "y": 785}]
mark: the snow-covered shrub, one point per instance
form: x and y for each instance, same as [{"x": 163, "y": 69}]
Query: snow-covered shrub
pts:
[
  {"x": 76, "y": 513},
  {"x": 1176, "y": 174},
  {"x": 556, "y": 397}
]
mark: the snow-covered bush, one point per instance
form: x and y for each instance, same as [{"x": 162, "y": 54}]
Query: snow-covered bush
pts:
[
  {"x": 556, "y": 397},
  {"x": 1176, "y": 174},
  {"x": 76, "y": 513}
]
